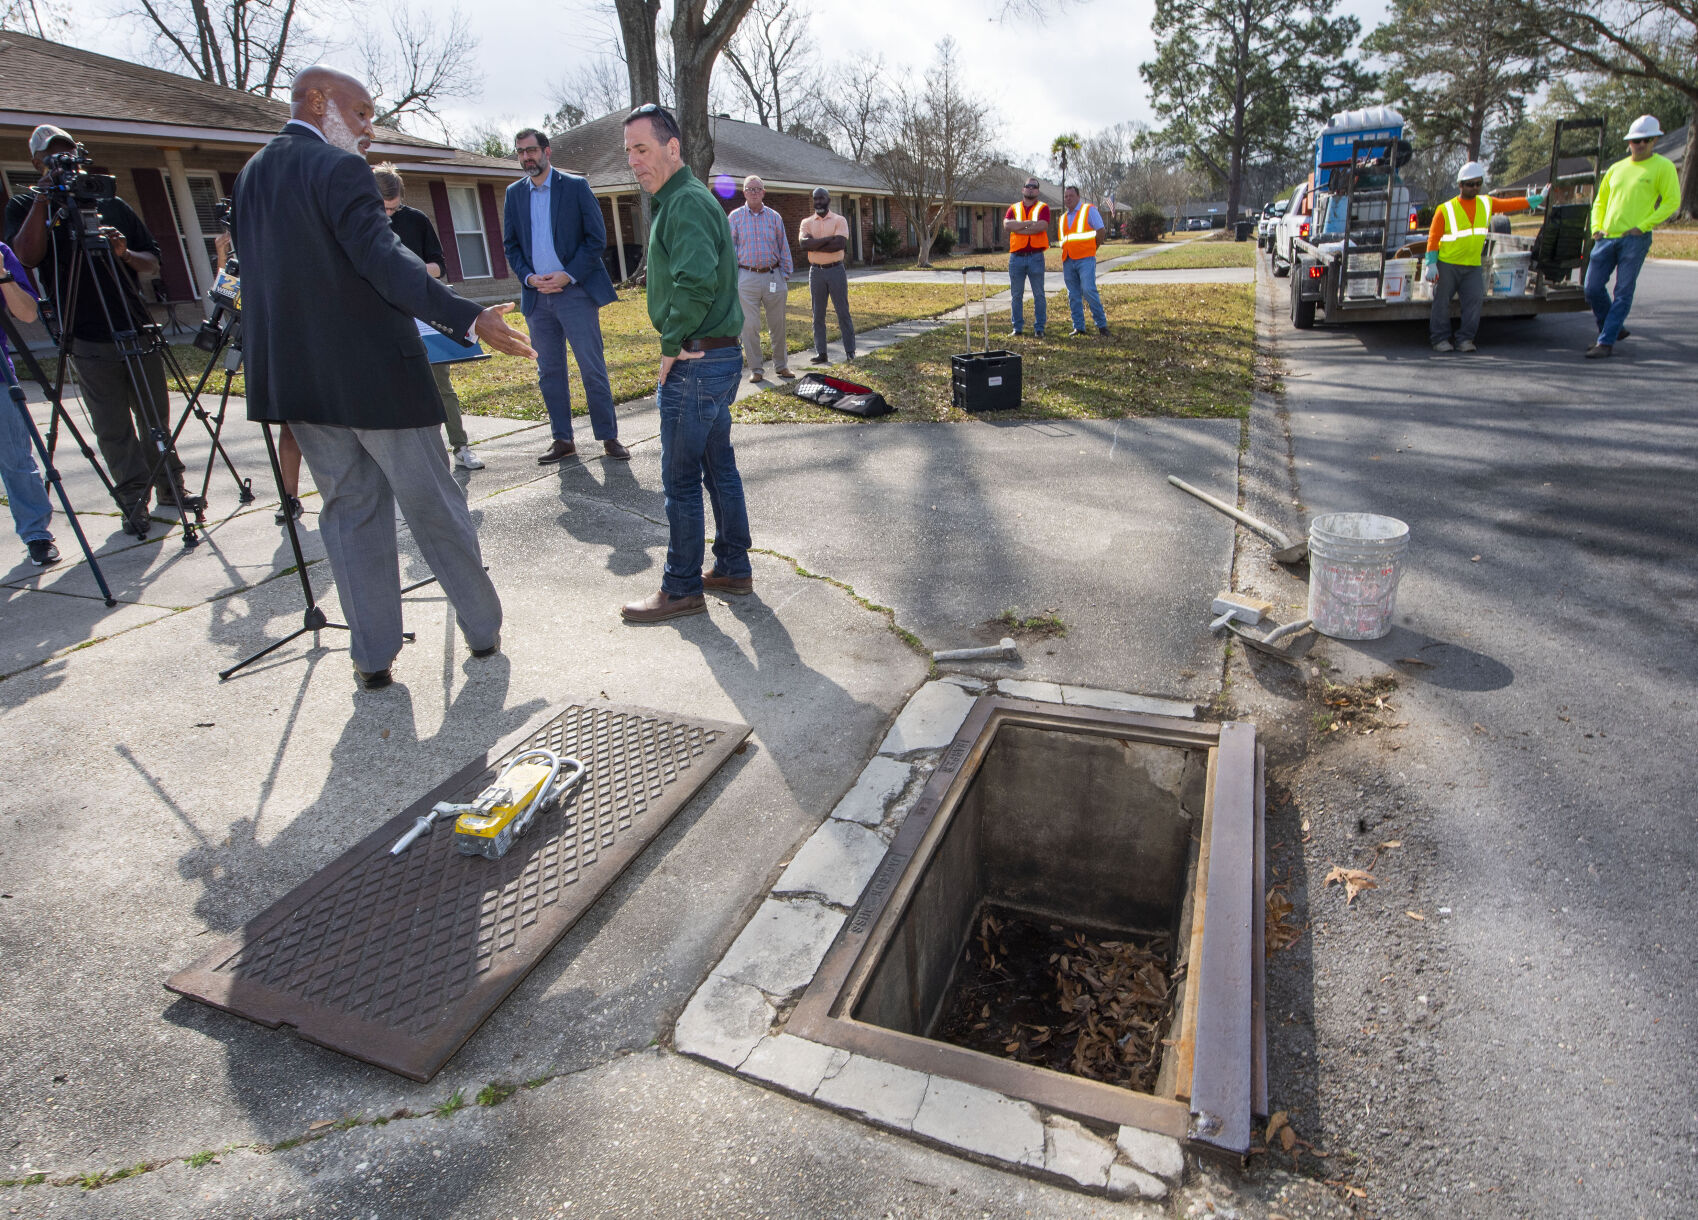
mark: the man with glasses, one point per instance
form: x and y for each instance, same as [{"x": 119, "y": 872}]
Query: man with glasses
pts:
[
  {"x": 1636, "y": 195},
  {"x": 553, "y": 235},
  {"x": 763, "y": 278},
  {"x": 693, "y": 303},
  {"x": 1027, "y": 222}
]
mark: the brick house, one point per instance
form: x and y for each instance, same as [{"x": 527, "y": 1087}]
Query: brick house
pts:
[
  {"x": 176, "y": 144},
  {"x": 791, "y": 169}
]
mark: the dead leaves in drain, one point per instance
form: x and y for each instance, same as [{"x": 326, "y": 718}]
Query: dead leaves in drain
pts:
[{"x": 1361, "y": 707}]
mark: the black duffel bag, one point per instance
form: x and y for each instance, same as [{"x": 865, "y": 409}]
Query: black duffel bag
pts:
[{"x": 840, "y": 395}]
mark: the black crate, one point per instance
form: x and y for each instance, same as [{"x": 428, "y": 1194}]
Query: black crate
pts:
[{"x": 985, "y": 381}]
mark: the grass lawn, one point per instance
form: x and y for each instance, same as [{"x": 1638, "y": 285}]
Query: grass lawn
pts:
[
  {"x": 1175, "y": 350},
  {"x": 1199, "y": 254},
  {"x": 507, "y": 386}
]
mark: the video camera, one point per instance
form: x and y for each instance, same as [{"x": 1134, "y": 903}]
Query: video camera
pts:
[
  {"x": 69, "y": 178},
  {"x": 225, "y": 295}
]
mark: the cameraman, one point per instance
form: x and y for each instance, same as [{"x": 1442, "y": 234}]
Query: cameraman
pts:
[{"x": 107, "y": 390}]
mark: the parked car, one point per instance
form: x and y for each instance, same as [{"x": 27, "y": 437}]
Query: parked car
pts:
[
  {"x": 1271, "y": 212},
  {"x": 1293, "y": 224}
]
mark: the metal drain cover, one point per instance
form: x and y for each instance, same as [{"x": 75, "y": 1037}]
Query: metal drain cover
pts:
[{"x": 397, "y": 959}]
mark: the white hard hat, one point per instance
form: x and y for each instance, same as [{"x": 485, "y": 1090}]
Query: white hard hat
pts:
[
  {"x": 1471, "y": 171},
  {"x": 1645, "y": 126}
]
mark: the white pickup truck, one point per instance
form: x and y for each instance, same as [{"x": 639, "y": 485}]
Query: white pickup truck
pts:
[{"x": 1291, "y": 228}]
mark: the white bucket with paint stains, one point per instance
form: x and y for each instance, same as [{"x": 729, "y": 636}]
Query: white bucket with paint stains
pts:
[{"x": 1355, "y": 561}]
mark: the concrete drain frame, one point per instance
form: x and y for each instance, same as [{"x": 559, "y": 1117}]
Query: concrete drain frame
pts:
[{"x": 855, "y": 892}]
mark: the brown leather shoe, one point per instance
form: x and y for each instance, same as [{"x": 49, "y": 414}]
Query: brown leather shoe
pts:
[
  {"x": 616, "y": 451},
  {"x": 556, "y": 451},
  {"x": 786, "y": 374},
  {"x": 660, "y": 606},
  {"x": 756, "y": 377},
  {"x": 735, "y": 585}
]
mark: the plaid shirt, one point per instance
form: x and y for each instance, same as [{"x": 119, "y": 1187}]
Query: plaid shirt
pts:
[{"x": 760, "y": 240}]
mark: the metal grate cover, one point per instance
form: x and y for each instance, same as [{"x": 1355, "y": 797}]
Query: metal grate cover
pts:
[{"x": 396, "y": 960}]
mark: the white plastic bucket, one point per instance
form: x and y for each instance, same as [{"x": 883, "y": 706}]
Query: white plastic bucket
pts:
[
  {"x": 1355, "y": 560},
  {"x": 1509, "y": 272},
  {"x": 1400, "y": 272}
]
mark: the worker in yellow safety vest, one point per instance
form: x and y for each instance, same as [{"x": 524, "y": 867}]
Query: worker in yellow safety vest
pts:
[
  {"x": 1454, "y": 246},
  {"x": 1637, "y": 194},
  {"x": 1080, "y": 225},
  {"x": 1027, "y": 222}
]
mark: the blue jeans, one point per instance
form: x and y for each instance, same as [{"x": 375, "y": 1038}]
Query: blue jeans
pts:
[
  {"x": 559, "y": 318},
  {"x": 1080, "y": 276},
  {"x": 1024, "y": 266},
  {"x": 1624, "y": 256},
  {"x": 695, "y": 452},
  {"x": 25, "y": 492}
]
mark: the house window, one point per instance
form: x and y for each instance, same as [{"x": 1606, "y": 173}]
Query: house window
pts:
[
  {"x": 468, "y": 232},
  {"x": 963, "y": 227},
  {"x": 204, "y": 191}
]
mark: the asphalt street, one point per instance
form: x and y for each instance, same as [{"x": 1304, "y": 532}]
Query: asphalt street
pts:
[{"x": 1509, "y": 1025}]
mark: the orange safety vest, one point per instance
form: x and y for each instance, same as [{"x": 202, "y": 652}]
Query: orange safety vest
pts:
[
  {"x": 1078, "y": 242},
  {"x": 1018, "y": 243}
]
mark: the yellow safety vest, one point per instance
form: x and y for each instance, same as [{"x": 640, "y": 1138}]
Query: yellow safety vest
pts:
[
  {"x": 1462, "y": 243},
  {"x": 1078, "y": 241}
]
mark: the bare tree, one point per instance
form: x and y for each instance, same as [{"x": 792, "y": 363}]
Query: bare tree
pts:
[
  {"x": 855, "y": 108},
  {"x": 419, "y": 65},
  {"x": 35, "y": 17},
  {"x": 1102, "y": 159},
  {"x": 595, "y": 88},
  {"x": 697, "y": 38},
  {"x": 251, "y": 45},
  {"x": 767, "y": 56},
  {"x": 491, "y": 137},
  {"x": 941, "y": 139}
]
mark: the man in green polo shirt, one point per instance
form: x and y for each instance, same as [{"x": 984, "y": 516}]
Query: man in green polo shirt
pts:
[
  {"x": 1636, "y": 196},
  {"x": 692, "y": 289}
]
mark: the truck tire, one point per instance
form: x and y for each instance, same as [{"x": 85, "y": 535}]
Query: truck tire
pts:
[{"x": 1302, "y": 312}]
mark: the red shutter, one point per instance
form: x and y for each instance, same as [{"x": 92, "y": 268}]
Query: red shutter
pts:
[
  {"x": 155, "y": 208},
  {"x": 492, "y": 230},
  {"x": 445, "y": 231}
]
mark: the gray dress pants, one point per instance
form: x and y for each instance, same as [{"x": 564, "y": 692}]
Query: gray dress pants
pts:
[
  {"x": 831, "y": 280},
  {"x": 362, "y": 474},
  {"x": 769, "y": 291},
  {"x": 1469, "y": 283}
]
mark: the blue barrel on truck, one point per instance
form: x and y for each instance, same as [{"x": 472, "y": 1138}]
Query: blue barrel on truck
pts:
[{"x": 1333, "y": 142}]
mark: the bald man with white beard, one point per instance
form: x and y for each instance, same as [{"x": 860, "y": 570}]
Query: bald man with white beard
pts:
[{"x": 329, "y": 297}]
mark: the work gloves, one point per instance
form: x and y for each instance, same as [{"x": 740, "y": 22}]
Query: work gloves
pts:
[
  {"x": 1535, "y": 200},
  {"x": 1432, "y": 265}
]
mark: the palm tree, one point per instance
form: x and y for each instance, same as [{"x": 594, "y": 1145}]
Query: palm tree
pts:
[{"x": 1059, "y": 147}]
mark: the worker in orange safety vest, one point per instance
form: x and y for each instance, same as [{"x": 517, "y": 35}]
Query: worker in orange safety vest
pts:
[
  {"x": 1079, "y": 228},
  {"x": 1455, "y": 244},
  {"x": 1027, "y": 222}
]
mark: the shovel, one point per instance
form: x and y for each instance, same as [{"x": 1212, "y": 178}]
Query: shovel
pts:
[
  {"x": 1285, "y": 551},
  {"x": 1279, "y": 642}
]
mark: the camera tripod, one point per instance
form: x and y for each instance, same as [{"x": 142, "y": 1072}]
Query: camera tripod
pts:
[
  {"x": 135, "y": 337},
  {"x": 51, "y": 471}
]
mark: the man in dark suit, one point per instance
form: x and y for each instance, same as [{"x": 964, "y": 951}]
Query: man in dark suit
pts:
[
  {"x": 329, "y": 297},
  {"x": 554, "y": 237}
]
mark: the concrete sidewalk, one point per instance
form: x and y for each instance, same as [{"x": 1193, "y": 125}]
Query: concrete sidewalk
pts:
[{"x": 154, "y": 806}]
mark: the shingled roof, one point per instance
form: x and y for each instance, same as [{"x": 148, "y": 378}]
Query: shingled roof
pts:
[{"x": 42, "y": 81}]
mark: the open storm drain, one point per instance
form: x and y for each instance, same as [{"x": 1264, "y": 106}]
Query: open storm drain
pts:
[{"x": 1070, "y": 915}]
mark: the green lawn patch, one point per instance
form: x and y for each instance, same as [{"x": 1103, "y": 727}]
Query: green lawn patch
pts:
[
  {"x": 507, "y": 385},
  {"x": 1175, "y": 350},
  {"x": 1199, "y": 254}
]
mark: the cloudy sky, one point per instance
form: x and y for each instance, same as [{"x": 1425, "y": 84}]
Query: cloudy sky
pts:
[{"x": 1076, "y": 71}]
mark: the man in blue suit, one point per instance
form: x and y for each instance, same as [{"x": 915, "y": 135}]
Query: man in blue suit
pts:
[{"x": 554, "y": 238}]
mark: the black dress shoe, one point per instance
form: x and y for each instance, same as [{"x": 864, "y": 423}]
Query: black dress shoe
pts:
[
  {"x": 616, "y": 451},
  {"x": 136, "y": 523},
  {"x": 373, "y": 681},
  {"x": 556, "y": 451},
  {"x": 819, "y": 359}
]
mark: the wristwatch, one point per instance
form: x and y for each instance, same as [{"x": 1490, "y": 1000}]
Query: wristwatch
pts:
[{"x": 6, "y": 277}]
